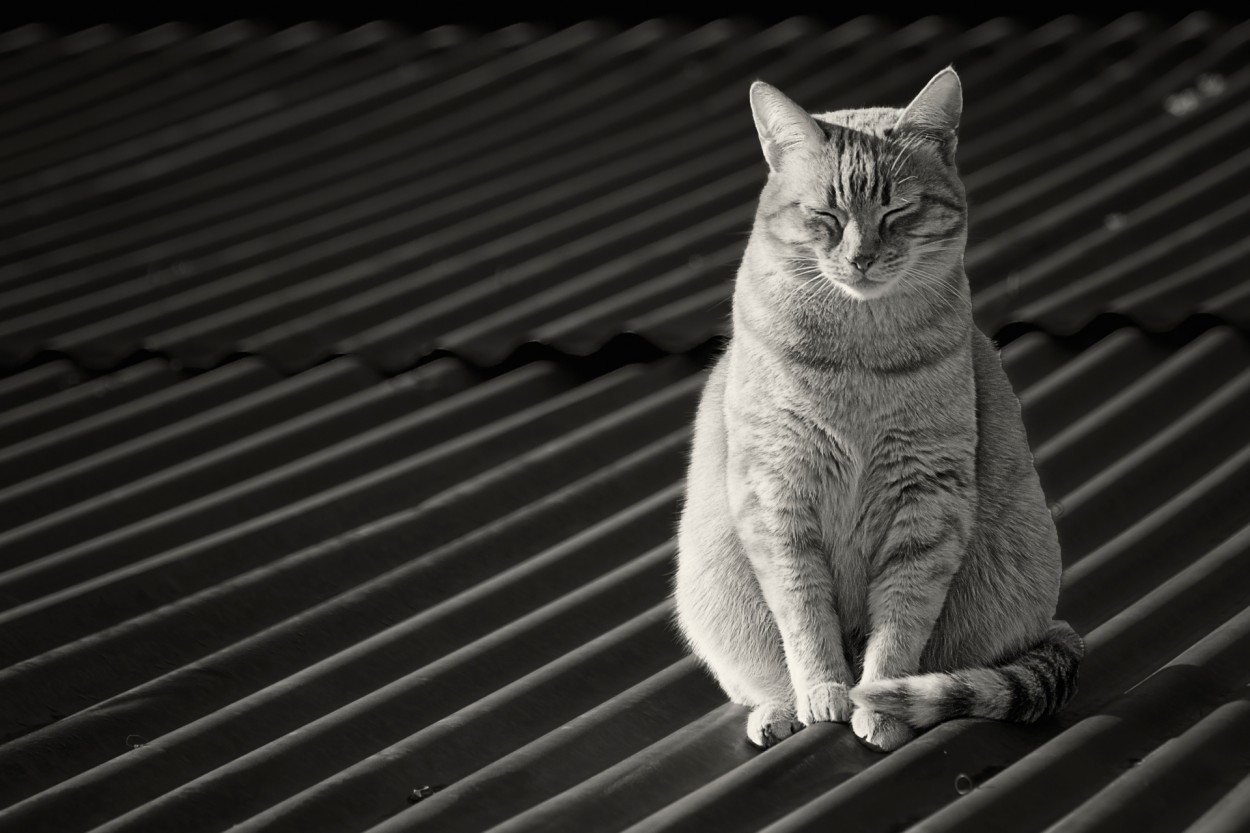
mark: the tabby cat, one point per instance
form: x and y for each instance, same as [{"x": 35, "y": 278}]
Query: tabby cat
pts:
[{"x": 864, "y": 537}]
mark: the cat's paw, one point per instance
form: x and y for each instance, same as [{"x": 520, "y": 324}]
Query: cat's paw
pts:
[
  {"x": 879, "y": 731},
  {"x": 824, "y": 703},
  {"x": 770, "y": 724}
]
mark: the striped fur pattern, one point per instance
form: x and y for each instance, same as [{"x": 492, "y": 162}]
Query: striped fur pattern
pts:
[
  {"x": 864, "y": 538},
  {"x": 1024, "y": 690}
]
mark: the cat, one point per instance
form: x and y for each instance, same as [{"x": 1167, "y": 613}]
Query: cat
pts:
[{"x": 864, "y": 537}]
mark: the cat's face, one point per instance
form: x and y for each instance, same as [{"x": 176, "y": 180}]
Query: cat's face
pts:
[{"x": 863, "y": 202}]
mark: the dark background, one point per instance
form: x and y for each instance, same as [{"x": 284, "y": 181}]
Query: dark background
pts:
[{"x": 420, "y": 15}]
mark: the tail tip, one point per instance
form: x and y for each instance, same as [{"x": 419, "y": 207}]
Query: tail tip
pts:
[{"x": 890, "y": 696}]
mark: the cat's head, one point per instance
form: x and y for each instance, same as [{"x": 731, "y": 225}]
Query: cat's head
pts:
[{"x": 866, "y": 200}]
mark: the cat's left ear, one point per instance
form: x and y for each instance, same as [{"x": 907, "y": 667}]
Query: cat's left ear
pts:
[{"x": 935, "y": 111}]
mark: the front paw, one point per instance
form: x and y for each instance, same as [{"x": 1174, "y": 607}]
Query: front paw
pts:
[
  {"x": 770, "y": 724},
  {"x": 881, "y": 732},
  {"x": 825, "y": 703}
]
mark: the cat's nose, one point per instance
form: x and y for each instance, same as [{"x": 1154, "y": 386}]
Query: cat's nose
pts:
[{"x": 862, "y": 261}]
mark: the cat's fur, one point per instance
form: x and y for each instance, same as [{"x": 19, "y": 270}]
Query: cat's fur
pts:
[{"x": 862, "y": 505}]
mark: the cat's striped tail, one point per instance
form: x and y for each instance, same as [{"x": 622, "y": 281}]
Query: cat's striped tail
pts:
[{"x": 1033, "y": 685}]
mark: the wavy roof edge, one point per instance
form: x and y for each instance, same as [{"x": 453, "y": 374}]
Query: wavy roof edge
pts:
[{"x": 617, "y": 348}]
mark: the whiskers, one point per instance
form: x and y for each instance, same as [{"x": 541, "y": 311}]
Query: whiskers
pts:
[
  {"x": 946, "y": 244},
  {"x": 814, "y": 285},
  {"x": 933, "y": 284},
  {"x": 929, "y": 274}
]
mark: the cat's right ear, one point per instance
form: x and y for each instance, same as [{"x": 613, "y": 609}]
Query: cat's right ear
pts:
[
  {"x": 785, "y": 128},
  {"x": 934, "y": 113}
]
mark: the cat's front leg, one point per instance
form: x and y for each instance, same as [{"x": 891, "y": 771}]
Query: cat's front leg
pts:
[
  {"x": 780, "y": 533},
  {"x": 911, "y": 576}
]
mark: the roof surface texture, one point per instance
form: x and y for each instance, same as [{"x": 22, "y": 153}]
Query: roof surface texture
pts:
[{"x": 346, "y": 381}]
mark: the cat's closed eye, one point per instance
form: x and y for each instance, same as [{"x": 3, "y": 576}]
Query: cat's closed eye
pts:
[
  {"x": 827, "y": 216},
  {"x": 894, "y": 213}
]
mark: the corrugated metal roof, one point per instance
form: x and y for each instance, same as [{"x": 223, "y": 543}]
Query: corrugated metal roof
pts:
[
  {"x": 465, "y": 584},
  {"x": 296, "y": 519},
  {"x": 382, "y": 195}
]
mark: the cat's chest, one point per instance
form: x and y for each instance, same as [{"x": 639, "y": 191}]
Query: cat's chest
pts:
[
  {"x": 837, "y": 442},
  {"x": 841, "y": 429}
]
